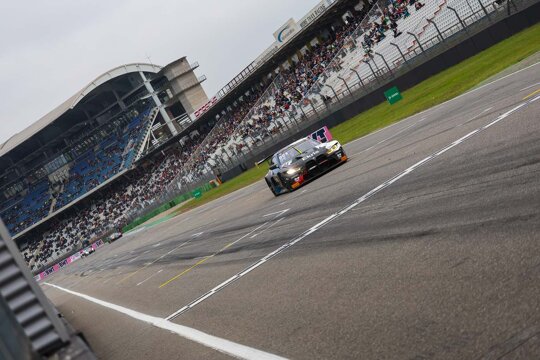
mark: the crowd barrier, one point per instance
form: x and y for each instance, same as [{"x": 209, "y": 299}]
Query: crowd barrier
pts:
[{"x": 71, "y": 259}]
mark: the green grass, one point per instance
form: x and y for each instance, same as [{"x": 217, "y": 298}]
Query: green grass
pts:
[
  {"x": 433, "y": 91},
  {"x": 443, "y": 86},
  {"x": 246, "y": 178}
]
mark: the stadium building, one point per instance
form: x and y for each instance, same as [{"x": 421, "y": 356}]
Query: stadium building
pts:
[
  {"x": 100, "y": 132},
  {"x": 117, "y": 144}
]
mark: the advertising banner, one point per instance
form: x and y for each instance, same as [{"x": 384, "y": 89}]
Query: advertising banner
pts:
[
  {"x": 197, "y": 114},
  {"x": 286, "y": 32},
  {"x": 322, "y": 135},
  {"x": 315, "y": 13},
  {"x": 62, "y": 264}
]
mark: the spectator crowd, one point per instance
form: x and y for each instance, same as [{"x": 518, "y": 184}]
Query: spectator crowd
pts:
[{"x": 254, "y": 116}]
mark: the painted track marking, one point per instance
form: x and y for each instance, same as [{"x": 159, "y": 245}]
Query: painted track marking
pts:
[
  {"x": 277, "y": 213},
  {"x": 531, "y": 94},
  {"x": 334, "y": 216},
  {"x": 530, "y": 86},
  {"x": 148, "y": 278},
  {"x": 263, "y": 230},
  {"x": 153, "y": 262},
  {"x": 213, "y": 342},
  {"x": 205, "y": 259},
  {"x": 446, "y": 102}
]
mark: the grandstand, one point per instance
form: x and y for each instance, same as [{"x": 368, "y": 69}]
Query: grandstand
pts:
[
  {"x": 91, "y": 140},
  {"x": 141, "y": 132}
]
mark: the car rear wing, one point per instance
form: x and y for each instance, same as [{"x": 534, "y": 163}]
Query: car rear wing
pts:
[{"x": 263, "y": 160}]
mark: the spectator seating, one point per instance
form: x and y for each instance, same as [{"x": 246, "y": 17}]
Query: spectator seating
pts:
[
  {"x": 256, "y": 116},
  {"x": 97, "y": 165}
]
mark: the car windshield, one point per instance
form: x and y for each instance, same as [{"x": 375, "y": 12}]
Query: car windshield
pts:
[
  {"x": 287, "y": 155},
  {"x": 290, "y": 153},
  {"x": 306, "y": 145}
]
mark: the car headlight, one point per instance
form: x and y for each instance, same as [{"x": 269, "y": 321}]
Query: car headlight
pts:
[
  {"x": 333, "y": 149},
  {"x": 292, "y": 171}
]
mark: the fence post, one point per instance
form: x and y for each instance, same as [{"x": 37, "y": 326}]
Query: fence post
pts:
[
  {"x": 457, "y": 15},
  {"x": 385, "y": 63},
  {"x": 284, "y": 122},
  {"x": 227, "y": 154},
  {"x": 436, "y": 28},
  {"x": 303, "y": 112},
  {"x": 483, "y": 9},
  {"x": 511, "y": 2},
  {"x": 400, "y": 53},
  {"x": 418, "y": 40},
  {"x": 346, "y": 85},
  {"x": 359, "y": 77},
  {"x": 291, "y": 115},
  {"x": 334, "y": 91},
  {"x": 313, "y": 107},
  {"x": 371, "y": 68}
]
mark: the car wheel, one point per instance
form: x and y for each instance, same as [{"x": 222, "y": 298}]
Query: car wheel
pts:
[
  {"x": 271, "y": 188},
  {"x": 285, "y": 185},
  {"x": 343, "y": 153}
]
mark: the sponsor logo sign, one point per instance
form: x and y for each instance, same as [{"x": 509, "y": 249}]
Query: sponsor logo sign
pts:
[
  {"x": 315, "y": 13},
  {"x": 393, "y": 95},
  {"x": 197, "y": 114},
  {"x": 323, "y": 135},
  {"x": 62, "y": 264},
  {"x": 197, "y": 193},
  {"x": 284, "y": 33}
]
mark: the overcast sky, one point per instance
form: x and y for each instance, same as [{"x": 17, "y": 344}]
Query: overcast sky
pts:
[{"x": 51, "y": 49}]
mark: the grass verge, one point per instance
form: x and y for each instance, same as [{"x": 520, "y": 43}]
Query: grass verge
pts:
[
  {"x": 247, "y": 178},
  {"x": 444, "y": 86}
]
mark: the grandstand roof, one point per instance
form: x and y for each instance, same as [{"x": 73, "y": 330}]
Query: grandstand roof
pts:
[{"x": 70, "y": 103}]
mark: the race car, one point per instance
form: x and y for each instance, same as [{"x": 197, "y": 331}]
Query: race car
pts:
[
  {"x": 88, "y": 251},
  {"x": 300, "y": 162},
  {"x": 113, "y": 237}
]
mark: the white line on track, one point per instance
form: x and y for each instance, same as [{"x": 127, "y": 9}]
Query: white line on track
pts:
[
  {"x": 268, "y": 227},
  {"x": 277, "y": 213},
  {"x": 156, "y": 260},
  {"x": 216, "y": 343},
  {"x": 444, "y": 103},
  {"x": 390, "y": 137},
  {"x": 332, "y": 217},
  {"x": 530, "y": 86},
  {"x": 474, "y": 118},
  {"x": 148, "y": 278},
  {"x": 486, "y": 110},
  {"x": 135, "y": 258}
]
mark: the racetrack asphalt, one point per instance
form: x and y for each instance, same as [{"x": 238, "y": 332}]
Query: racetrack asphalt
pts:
[{"x": 425, "y": 245}]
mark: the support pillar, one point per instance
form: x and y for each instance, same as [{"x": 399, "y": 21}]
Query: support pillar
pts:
[{"x": 158, "y": 103}]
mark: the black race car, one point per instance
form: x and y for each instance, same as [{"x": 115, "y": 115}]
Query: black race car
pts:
[{"x": 301, "y": 162}]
